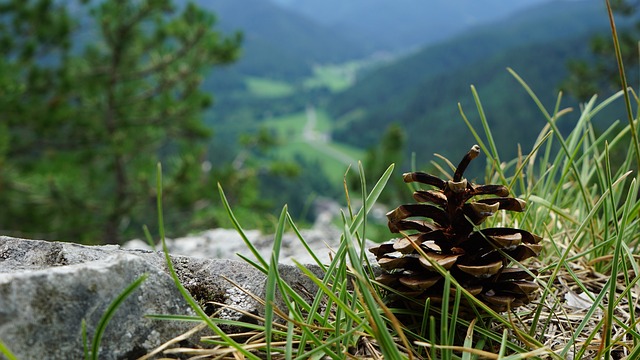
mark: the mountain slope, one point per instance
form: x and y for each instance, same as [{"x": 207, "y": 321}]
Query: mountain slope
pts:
[
  {"x": 384, "y": 25},
  {"x": 422, "y": 91},
  {"x": 278, "y": 43}
]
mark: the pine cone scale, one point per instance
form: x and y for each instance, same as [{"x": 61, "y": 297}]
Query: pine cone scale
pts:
[
  {"x": 482, "y": 271},
  {"x": 444, "y": 260},
  {"x": 418, "y": 210},
  {"x": 420, "y": 283}
]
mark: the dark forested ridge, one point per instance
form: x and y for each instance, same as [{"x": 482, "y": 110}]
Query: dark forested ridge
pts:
[
  {"x": 279, "y": 43},
  {"x": 421, "y": 91},
  {"x": 382, "y": 25}
]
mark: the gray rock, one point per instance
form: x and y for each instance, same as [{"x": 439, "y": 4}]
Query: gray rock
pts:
[
  {"x": 48, "y": 288},
  {"x": 226, "y": 244}
]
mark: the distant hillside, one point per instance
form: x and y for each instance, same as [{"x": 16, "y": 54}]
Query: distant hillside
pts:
[
  {"x": 280, "y": 44},
  {"x": 422, "y": 91},
  {"x": 384, "y": 25}
]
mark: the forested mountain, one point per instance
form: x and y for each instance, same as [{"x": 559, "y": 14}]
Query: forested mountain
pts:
[
  {"x": 278, "y": 43},
  {"x": 421, "y": 91},
  {"x": 284, "y": 38},
  {"x": 383, "y": 25}
]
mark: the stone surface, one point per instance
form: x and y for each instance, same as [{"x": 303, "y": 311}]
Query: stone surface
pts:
[
  {"x": 48, "y": 288},
  {"x": 323, "y": 240},
  {"x": 226, "y": 244}
]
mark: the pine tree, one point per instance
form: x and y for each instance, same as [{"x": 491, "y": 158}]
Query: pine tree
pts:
[
  {"x": 108, "y": 89},
  {"x": 600, "y": 73}
]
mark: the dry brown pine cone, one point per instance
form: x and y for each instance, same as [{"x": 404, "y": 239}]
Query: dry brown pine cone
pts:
[{"x": 475, "y": 258}]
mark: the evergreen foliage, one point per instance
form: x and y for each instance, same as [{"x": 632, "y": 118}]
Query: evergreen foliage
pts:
[
  {"x": 596, "y": 73},
  {"x": 86, "y": 121}
]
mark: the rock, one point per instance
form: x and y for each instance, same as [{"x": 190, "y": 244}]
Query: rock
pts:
[
  {"x": 226, "y": 244},
  {"x": 48, "y": 288}
]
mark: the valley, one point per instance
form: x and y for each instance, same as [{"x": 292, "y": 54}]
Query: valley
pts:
[
  {"x": 307, "y": 133},
  {"x": 336, "y": 112}
]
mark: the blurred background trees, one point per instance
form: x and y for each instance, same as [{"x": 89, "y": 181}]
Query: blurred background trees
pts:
[
  {"x": 93, "y": 93},
  {"x": 599, "y": 72},
  {"x": 92, "y": 96}
]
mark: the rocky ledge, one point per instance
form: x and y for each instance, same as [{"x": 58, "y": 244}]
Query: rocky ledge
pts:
[{"x": 47, "y": 289}]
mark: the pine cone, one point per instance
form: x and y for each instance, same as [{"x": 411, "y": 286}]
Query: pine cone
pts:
[{"x": 475, "y": 258}]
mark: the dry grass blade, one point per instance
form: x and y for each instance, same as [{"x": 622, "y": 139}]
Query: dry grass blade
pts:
[
  {"x": 174, "y": 341},
  {"x": 485, "y": 354},
  {"x": 566, "y": 312}
]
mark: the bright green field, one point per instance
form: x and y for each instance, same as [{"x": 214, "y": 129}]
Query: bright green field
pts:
[
  {"x": 333, "y": 77},
  {"x": 287, "y": 125},
  {"x": 333, "y": 158},
  {"x": 267, "y": 88},
  {"x": 311, "y": 143}
]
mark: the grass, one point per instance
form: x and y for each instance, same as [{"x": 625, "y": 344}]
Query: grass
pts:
[
  {"x": 584, "y": 203},
  {"x": 105, "y": 318},
  {"x": 581, "y": 200}
]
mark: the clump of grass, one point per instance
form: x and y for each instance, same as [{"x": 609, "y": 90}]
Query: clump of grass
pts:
[
  {"x": 346, "y": 318},
  {"x": 583, "y": 203},
  {"x": 588, "y": 214}
]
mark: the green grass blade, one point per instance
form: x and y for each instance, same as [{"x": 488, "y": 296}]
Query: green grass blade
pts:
[
  {"x": 304, "y": 243},
  {"x": 238, "y": 228},
  {"x": 425, "y": 320},
  {"x": 4, "y": 350},
  {"x": 272, "y": 280},
  {"x": 385, "y": 339},
  {"x": 147, "y": 235},
  {"x": 433, "y": 336},
  {"x": 111, "y": 310},
  {"x": 623, "y": 82},
  {"x": 371, "y": 199},
  {"x": 453, "y": 326},
  {"x": 185, "y": 294},
  {"x": 493, "y": 154},
  {"x": 254, "y": 264},
  {"x": 363, "y": 237},
  {"x": 288, "y": 353},
  {"x": 615, "y": 263},
  {"x": 444, "y": 320},
  {"x": 635, "y": 353},
  {"x": 503, "y": 344},
  {"x": 468, "y": 340}
]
